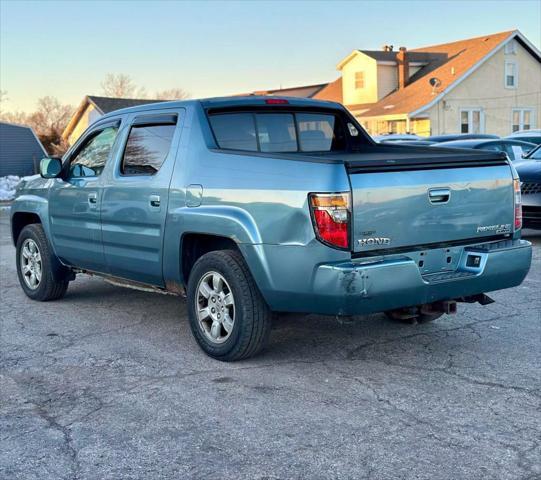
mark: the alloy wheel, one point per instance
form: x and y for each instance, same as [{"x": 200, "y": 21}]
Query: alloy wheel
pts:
[
  {"x": 215, "y": 307},
  {"x": 31, "y": 265}
]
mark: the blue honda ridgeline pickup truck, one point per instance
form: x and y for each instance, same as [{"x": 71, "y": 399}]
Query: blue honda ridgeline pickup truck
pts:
[{"x": 256, "y": 205}]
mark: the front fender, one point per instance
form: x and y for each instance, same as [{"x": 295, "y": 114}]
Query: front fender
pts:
[{"x": 34, "y": 204}]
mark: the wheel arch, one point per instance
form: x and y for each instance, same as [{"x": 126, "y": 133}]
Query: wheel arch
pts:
[
  {"x": 27, "y": 209},
  {"x": 193, "y": 245},
  {"x": 19, "y": 220},
  {"x": 218, "y": 227}
]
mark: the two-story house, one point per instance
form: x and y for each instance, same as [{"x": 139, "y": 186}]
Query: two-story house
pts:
[{"x": 488, "y": 84}]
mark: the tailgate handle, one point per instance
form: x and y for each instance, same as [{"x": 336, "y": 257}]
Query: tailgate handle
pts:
[{"x": 439, "y": 195}]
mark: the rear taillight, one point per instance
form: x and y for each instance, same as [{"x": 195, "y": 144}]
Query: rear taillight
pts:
[
  {"x": 518, "y": 204},
  {"x": 331, "y": 216}
]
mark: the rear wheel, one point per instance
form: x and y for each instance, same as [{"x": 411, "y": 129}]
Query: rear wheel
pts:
[
  {"x": 228, "y": 316},
  {"x": 36, "y": 264}
]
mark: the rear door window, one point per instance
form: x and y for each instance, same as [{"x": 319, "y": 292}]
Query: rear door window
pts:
[{"x": 146, "y": 149}]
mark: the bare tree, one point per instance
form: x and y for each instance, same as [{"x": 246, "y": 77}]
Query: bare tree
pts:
[
  {"x": 3, "y": 99},
  {"x": 48, "y": 122},
  {"x": 121, "y": 86},
  {"x": 50, "y": 116},
  {"x": 172, "y": 94},
  {"x": 18, "y": 117}
]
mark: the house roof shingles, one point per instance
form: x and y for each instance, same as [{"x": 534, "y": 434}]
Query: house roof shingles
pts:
[
  {"x": 383, "y": 56},
  {"x": 110, "y": 104},
  {"x": 331, "y": 91},
  {"x": 20, "y": 150},
  {"x": 305, "y": 91},
  {"x": 448, "y": 62},
  {"x": 103, "y": 105}
]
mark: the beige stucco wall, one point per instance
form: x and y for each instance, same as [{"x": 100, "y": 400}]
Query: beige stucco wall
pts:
[
  {"x": 387, "y": 80},
  {"x": 485, "y": 89},
  {"x": 368, "y": 94},
  {"x": 89, "y": 116}
]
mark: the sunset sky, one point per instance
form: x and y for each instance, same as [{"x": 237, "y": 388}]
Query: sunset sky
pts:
[{"x": 65, "y": 49}]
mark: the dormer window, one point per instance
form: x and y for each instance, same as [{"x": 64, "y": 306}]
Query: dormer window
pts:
[
  {"x": 511, "y": 47},
  {"x": 511, "y": 74},
  {"x": 359, "y": 80}
]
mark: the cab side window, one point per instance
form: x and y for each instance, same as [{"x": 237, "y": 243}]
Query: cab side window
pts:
[
  {"x": 146, "y": 149},
  {"x": 93, "y": 155}
]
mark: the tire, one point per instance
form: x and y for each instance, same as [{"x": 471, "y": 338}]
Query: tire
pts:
[
  {"x": 419, "y": 318},
  {"x": 243, "y": 326},
  {"x": 52, "y": 284}
]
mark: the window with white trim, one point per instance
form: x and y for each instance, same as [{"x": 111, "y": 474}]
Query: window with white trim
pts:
[
  {"x": 511, "y": 47},
  {"x": 511, "y": 74},
  {"x": 359, "y": 80},
  {"x": 523, "y": 119},
  {"x": 471, "y": 120}
]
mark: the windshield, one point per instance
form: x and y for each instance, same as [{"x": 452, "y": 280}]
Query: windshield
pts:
[
  {"x": 536, "y": 155},
  {"x": 282, "y": 132}
]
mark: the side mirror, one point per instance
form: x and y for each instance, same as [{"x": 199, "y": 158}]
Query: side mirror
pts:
[{"x": 50, "y": 167}]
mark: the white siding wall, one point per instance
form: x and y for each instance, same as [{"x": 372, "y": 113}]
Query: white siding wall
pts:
[{"x": 485, "y": 89}]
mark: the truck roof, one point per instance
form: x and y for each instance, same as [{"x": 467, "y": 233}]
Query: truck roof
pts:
[{"x": 224, "y": 102}]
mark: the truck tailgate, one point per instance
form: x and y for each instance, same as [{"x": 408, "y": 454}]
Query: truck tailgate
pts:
[{"x": 422, "y": 205}]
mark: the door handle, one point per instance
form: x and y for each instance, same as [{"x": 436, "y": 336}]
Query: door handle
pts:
[
  {"x": 154, "y": 200},
  {"x": 439, "y": 195},
  {"x": 93, "y": 198}
]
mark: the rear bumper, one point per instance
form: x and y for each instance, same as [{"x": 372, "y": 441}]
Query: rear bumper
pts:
[{"x": 383, "y": 283}]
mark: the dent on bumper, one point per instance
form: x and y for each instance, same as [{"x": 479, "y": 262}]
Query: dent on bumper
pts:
[{"x": 379, "y": 284}]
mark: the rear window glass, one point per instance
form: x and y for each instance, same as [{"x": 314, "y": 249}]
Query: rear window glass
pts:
[
  {"x": 235, "y": 131},
  {"x": 276, "y": 132},
  {"x": 279, "y": 132},
  {"x": 319, "y": 133}
]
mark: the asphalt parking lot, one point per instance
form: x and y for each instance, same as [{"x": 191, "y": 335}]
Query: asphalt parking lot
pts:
[{"x": 109, "y": 384}]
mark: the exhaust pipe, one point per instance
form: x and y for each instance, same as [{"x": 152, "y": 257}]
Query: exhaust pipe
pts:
[
  {"x": 446, "y": 306},
  {"x": 449, "y": 307}
]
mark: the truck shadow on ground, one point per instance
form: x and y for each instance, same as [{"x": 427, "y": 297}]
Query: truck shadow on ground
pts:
[{"x": 294, "y": 337}]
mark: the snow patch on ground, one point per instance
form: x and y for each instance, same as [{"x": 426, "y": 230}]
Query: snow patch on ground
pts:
[{"x": 9, "y": 184}]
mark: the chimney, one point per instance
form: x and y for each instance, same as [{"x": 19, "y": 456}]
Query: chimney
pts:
[{"x": 403, "y": 67}]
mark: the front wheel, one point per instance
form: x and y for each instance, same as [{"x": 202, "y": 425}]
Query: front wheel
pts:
[
  {"x": 228, "y": 316},
  {"x": 35, "y": 264}
]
